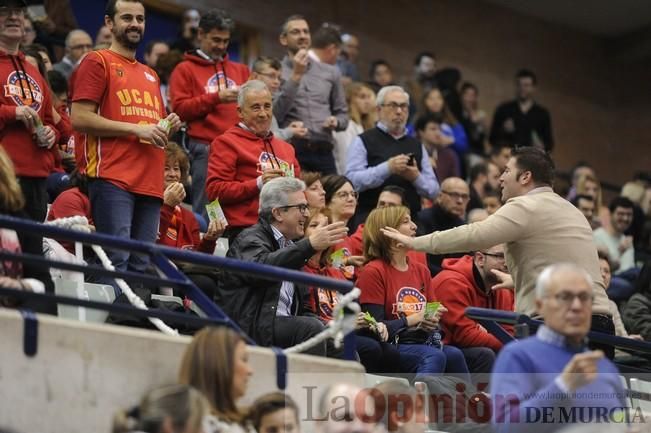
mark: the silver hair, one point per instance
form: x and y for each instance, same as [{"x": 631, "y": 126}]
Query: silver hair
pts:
[
  {"x": 384, "y": 91},
  {"x": 250, "y": 86},
  {"x": 274, "y": 194},
  {"x": 544, "y": 279}
]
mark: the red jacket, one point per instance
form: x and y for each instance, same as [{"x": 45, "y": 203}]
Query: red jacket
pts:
[
  {"x": 456, "y": 288},
  {"x": 17, "y": 90},
  {"x": 179, "y": 228},
  {"x": 235, "y": 162},
  {"x": 193, "y": 92}
]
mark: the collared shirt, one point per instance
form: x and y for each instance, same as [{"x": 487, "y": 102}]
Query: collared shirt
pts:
[
  {"x": 557, "y": 339},
  {"x": 286, "y": 288},
  {"x": 316, "y": 97},
  {"x": 364, "y": 177},
  {"x": 554, "y": 338}
]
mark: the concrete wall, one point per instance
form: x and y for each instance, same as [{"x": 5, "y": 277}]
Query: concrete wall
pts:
[
  {"x": 83, "y": 373},
  {"x": 598, "y": 100}
]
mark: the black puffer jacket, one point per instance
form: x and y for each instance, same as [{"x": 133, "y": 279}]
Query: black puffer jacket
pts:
[{"x": 252, "y": 301}]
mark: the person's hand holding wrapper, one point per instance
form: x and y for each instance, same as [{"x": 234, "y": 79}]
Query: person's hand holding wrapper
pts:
[{"x": 366, "y": 321}]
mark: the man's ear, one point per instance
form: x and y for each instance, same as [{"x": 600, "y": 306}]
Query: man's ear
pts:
[
  {"x": 277, "y": 214},
  {"x": 525, "y": 177},
  {"x": 282, "y": 39},
  {"x": 479, "y": 259},
  {"x": 539, "y": 306}
]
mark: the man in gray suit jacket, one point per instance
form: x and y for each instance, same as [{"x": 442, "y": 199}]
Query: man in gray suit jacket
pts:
[{"x": 78, "y": 43}]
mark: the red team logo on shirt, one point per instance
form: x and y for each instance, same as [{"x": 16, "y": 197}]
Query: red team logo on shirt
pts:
[
  {"x": 268, "y": 161},
  {"x": 408, "y": 301},
  {"x": 217, "y": 82},
  {"x": 24, "y": 90},
  {"x": 328, "y": 299}
]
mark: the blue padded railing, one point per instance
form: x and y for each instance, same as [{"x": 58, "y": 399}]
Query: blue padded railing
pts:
[
  {"x": 162, "y": 257},
  {"x": 494, "y": 317}
]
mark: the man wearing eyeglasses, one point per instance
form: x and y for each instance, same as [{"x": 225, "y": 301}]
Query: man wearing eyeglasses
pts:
[
  {"x": 556, "y": 379},
  {"x": 470, "y": 281},
  {"x": 387, "y": 155},
  {"x": 78, "y": 43},
  {"x": 274, "y": 312},
  {"x": 449, "y": 211},
  {"x": 247, "y": 156},
  {"x": 25, "y": 106},
  {"x": 538, "y": 227}
]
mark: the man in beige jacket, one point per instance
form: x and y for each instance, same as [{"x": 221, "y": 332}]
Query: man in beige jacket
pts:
[{"x": 537, "y": 225}]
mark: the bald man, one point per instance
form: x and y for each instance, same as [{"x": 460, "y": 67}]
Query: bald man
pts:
[
  {"x": 448, "y": 212},
  {"x": 78, "y": 43}
]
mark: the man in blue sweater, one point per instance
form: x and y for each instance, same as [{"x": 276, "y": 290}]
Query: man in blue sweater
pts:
[{"x": 544, "y": 382}]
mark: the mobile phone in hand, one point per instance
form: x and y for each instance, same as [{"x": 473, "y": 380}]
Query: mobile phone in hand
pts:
[{"x": 412, "y": 159}]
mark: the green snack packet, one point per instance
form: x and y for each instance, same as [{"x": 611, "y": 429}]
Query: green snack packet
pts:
[
  {"x": 165, "y": 124},
  {"x": 338, "y": 258},
  {"x": 370, "y": 319},
  {"x": 215, "y": 212},
  {"x": 431, "y": 308}
]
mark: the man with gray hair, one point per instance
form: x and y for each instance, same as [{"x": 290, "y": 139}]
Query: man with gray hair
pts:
[
  {"x": 78, "y": 43},
  {"x": 554, "y": 376},
  {"x": 246, "y": 157},
  {"x": 275, "y": 312},
  {"x": 387, "y": 155}
]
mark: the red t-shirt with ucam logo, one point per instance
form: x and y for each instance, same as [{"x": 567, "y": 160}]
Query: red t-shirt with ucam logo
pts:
[
  {"x": 402, "y": 293},
  {"x": 127, "y": 91},
  {"x": 322, "y": 302}
]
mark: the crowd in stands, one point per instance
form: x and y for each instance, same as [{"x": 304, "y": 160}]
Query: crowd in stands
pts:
[{"x": 314, "y": 170}]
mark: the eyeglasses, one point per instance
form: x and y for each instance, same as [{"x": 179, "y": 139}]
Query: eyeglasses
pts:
[
  {"x": 497, "y": 255},
  {"x": 7, "y": 11},
  {"x": 345, "y": 194},
  {"x": 302, "y": 207},
  {"x": 457, "y": 196},
  {"x": 567, "y": 298},
  {"x": 394, "y": 106},
  {"x": 82, "y": 47}
]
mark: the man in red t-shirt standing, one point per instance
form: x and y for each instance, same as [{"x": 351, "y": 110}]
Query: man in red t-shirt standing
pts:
[
  {"x": 25, "y": 106},
  {"x": 203, "y": 90},
  {"x": 117, "y": 107}
]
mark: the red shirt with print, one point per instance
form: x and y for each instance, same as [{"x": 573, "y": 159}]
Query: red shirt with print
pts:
[
  {"x": 126, "y": 91},
  {"x": 322, "y": 302},
  {"x": 402, "y": 293}
]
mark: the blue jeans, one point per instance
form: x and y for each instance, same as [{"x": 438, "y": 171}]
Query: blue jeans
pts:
[
  {"x": 432, "y": 360},
  {"x": 120, "y": 213},
  {"x": 199, "y": 172}
]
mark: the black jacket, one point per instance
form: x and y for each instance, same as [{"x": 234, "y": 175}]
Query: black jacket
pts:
[
  {"x": 637, "y": 315},
  {"x": 435, "y": 219},
  {"x": 252, "y": 301}
]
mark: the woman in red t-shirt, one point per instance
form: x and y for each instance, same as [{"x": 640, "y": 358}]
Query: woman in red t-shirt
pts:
[
  {"x": 376, "y": 355},
  {"x": 396, "y": 291}
]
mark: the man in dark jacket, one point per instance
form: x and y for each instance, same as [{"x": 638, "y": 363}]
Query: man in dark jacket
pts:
[
  {"x": 448, "y": 212},
  {"x": 273, "y": 312}
]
